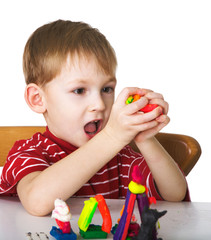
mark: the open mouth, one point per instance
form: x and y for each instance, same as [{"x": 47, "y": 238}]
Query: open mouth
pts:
[{"x": 93, "y": 127}]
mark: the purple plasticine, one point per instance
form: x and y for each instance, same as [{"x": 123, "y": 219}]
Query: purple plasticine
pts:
[
  {"x": 121, "y": 225},
  {"x": 143, "y": 201}
]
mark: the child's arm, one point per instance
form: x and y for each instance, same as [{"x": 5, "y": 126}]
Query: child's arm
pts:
[
  {"x": 168, "y": 177},
  {"x": 38, "y": 190}
]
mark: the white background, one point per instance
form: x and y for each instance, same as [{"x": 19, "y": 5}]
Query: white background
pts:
[{"x": 161, "y": 45}]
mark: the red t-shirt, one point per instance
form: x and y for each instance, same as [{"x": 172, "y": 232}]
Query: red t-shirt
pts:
[{"x": 43, "y": 150}]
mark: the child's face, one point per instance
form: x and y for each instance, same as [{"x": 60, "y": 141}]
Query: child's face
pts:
[{"x": 79, "y": 100}]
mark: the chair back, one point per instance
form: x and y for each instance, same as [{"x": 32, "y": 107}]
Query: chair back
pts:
[
  {"x": 9, "y": 135},
  {"x": 185, "y": 150}
]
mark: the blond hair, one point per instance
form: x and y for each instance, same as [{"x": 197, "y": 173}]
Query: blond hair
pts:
[{"x": 48, "y": 47}]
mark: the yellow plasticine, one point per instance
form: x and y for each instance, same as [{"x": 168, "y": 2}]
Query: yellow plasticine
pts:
[
  {"x": 129, "y": 100},
  {"x": 136, "y": 188},
  {"x": 87, "y": 214}
]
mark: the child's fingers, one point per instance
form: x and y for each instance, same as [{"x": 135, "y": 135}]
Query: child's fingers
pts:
[
  {"x": 129, "y": 91},
  {"x": 162, "y": 103},
  {"x": 148, "y": 96},
  {"x": 124, "y": 94},
  {"x": 144, "y": 92},
  {"x": 141, "y": 118},
  {"x": 134, "y": 107},
  {"x": 164, "y": 119},
  {"x": 151, "y": 95},
  {"x": 157, "y": 98},
  {"x": 153, "y": 129},
  {"x": 146, "y": 126}
]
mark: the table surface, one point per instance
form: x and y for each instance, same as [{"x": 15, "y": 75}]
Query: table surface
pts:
[{"x": 183, "y": 220}]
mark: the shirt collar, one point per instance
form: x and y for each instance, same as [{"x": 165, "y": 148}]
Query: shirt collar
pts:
[{"x": 67, "y": 147}]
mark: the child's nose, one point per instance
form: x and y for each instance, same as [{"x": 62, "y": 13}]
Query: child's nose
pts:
[{"x": 97, "y": 104}]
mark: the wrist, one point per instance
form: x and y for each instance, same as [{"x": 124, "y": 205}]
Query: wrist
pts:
[
  {"x": 114, "y": 138},
  {"x": 147, "y": 145}
]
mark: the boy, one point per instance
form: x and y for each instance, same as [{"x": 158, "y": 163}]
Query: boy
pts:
[{"x": 69, "y": 69}]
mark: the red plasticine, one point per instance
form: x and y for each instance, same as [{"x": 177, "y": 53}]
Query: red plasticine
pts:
[
  {"x": 64, "y": 226},
  {"x": 104, "y": 210},
  {"x": 147, "y": 108},
  {"x": 129, "y": 215}
]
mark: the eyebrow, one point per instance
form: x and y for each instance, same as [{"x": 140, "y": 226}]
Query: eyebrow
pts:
[
  {"x": 112, "y": 79},
  {"x": 84, "y": 81}
]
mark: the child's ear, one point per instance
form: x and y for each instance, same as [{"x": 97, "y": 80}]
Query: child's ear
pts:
[{"x": 34, "y": 98}]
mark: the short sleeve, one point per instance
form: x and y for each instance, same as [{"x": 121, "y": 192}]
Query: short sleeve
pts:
[{"x": 17, "y": 166}]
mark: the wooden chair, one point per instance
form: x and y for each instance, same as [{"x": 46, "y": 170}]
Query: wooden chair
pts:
[
  {"x": 8, "y": 136},
  {"x": 185, "y": 150}
]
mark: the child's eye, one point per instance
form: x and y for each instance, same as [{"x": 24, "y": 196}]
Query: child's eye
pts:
[
  {"x": 79, "y": 91},
  {"x": 108, "y": 90}
]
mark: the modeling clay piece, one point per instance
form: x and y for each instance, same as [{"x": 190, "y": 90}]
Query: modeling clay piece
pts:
[
  {"x": 122, "y": 229},
  {"x": 149, "y": 218},
  {"x": 62, "y": 215},
  {"x": 93, "y": 232},
  {"x": 88, "y": 230},
  {"x": 87, "y": 214},
  {"x": 103, "y": 208},
  {"x": 127, "y": 229},
  {"x": 136, "y": 175},
  {"x": 147, "y": 108},
  {"x": 134, "y": 189},
  {"x": 133, "y": 227}
]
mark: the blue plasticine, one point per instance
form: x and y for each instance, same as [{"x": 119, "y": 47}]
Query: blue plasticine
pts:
[{"x": 59, "y": 235}]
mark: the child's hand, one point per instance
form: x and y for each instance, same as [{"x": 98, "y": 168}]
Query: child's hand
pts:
[
  {"x": 126, "y": 122},
  {"x": 162, "y": 120}
]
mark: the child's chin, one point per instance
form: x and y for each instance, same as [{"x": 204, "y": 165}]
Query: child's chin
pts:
[{"x": 90, "y": 135}]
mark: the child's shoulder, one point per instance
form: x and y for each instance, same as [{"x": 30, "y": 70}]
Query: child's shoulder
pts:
[
  {"x": 39, "y": 145},
  {"x": 23, "y": 158},
  {"x": 38, "y": 139}
]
